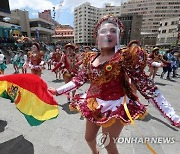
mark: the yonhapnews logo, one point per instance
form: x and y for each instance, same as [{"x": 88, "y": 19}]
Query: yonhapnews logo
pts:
[{"x": 103, "y": 140}]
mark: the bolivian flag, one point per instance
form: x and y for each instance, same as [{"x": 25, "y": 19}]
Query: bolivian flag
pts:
[{"x": 31, "y": 97}]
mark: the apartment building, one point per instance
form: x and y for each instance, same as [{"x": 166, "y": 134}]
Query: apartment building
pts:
[
  {"x": 85, "y": 19},
  {"x": 169, "y": 32},
  {"x": 153, "y": 11},
  {"x": 108, "y": 9},
  {"x": 132, "y": 24}
]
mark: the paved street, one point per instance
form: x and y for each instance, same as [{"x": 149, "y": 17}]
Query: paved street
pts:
[{"x": 65, "y": 134}]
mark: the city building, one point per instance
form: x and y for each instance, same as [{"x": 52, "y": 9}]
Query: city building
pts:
[
  {"x": 109, "y": 10},
  {"x": 87, "y": 16},
  {"x": 41, "y": 29},
  {"x": 8, "y": 28},
  {"x": 4, "y": 6},
  {"x": 169, "y": 32},
  {"x": 63, "y": 34},
  {"x": 132, "y": 24},
  {"x": 16, "y": 23},
  {"x": 85, "y": 19},
  {"x": 23, "y": 21},
  {"x": 46, "y": 14},
  {"x": 153, "y": 11}
]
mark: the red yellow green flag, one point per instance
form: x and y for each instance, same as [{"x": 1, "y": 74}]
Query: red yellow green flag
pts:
[{"x": 31, "y": 97}]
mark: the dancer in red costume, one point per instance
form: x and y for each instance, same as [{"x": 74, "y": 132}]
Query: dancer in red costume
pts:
[
  {"x": 68, "y": 65},
  {"x": 36, "y": 59},
  {"x": 110, "y": 93},
  {"x": 56, "y": 58},
  {"x": 155, "y": 61}
]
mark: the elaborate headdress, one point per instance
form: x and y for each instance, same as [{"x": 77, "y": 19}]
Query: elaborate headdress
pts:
[
  {"x": 119, "y": 29},
  {"x": 111, "y": 19},
  {"x": 69, "y": 45},
  {"x": 57, "y": 47},
  {"x": 155, "y": 49},
  {"x": 37, "y": 45},
  {"x": 133, "y": 42},
  {"x": 87, "y": 47}
]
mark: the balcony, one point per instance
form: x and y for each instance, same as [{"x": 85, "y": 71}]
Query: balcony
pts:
[{"x": 41, "y": 29}]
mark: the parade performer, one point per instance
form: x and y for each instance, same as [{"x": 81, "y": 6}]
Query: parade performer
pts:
[
  {"x": 137, "y": 44},
  {"x": 48, "y": 60},
  {"x": 2, "y": 64},
  {"x": 110, "y": 101},
  {"x": 21, "y": 61},
  {"x": 15, "y": 61},
  {"x": 26, "y": 62},
  {"x": 78, "y": 57},
  {"x": 68, "y": 65},
  {"x": 155, "y": 61},
  {"x": 87, "y": 49},
  {"x": 56, "y": 58},
  {"x": 36, "y": 59}
]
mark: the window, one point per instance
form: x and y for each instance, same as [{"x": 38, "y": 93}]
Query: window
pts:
[
  {"x": 154, "y": 31},
  {"x": 163, "y": 31},
  {"x": 162, "y": 40},
  {"x": 170, "y": 40},
  {"x": 172, "y": 30}
]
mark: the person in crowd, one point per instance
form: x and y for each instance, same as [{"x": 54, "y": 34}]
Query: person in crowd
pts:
[
  {"x": 48, "y": 59},
  {"x": 21, "y": 61},
  {"x": 15, "y": 60},
  {"x": 155, "y": 61},
  {"x": 68, "y": 66},
  {"x": 36, "y": 62},
  {"x": 168, "y": 68},
  {"x": 55, "y": 59},
  {"x": 3, "y": 66}
]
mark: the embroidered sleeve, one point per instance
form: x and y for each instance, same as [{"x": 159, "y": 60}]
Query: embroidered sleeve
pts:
[
  {"x": 66, "y": 88},
  {"x": 134, "y": 58},
  {"x": 151, "y": 92},
  {"x": 87, "y": 56},
  {"x": 75, "y": 83},
  {"x": 134, "y": 61},
  {"x": 80, "y": 79}
]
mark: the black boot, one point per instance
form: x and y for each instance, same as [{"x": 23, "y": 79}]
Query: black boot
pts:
[
  {"x": 168, "y": 78},
  {"x": 162, "y": 75}
]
